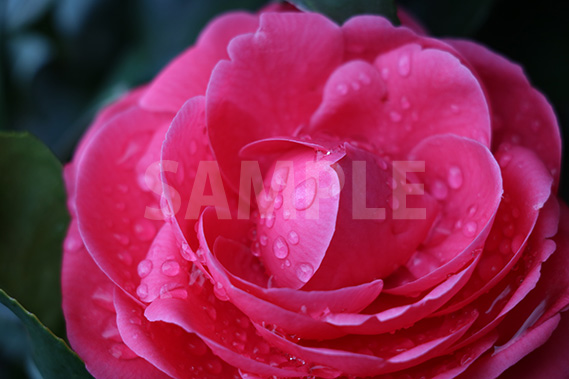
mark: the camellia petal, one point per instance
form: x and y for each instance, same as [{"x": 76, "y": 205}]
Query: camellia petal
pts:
[{"x": 91, "y": 317}]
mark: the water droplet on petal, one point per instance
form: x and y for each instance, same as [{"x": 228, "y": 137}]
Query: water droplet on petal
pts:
[
  {"x": 122, "y": 239},
  {"x": 280, "y": 248},
  {"x": 170, "y": 268},
  {"x": 144, "y": 268},
  {"x": 121, "y": 351},
  {"x": 214, "y": 367},
  {"x": 263, "y": 240},
  {"x": 472, "y": 210},
  {"x": 144, "y": 230},
  {"x": 278, "y": 202},
  {"x": 293, "y": 237},
  {"x": 395, "y": 117},
  {"x": 287, "y": 263},
  {"x": 385, "y": 73},
  {"x": 364, "y": 78},
  {"x": 270, "y": 220},
  {"x": 342, "y": 89},
  {"x": 280, "y": 176},
  {"x": 470, "y": 228},
  {"x": 439, "y": 190},
  {"x": 304, "y": 194},
  {"x": 304, "y": 272},
  {"x": 220, "y": 292},
  {"x": 405, "y": 104},
  {"x": 142, "y": 291},
  {"x": 125, "y": 258},
  {"x": 404, "y": 66},
  {"x": 454, "y": 177},
  {"x": 505, "y": 160},
  {"x": 454, "y": 108}
]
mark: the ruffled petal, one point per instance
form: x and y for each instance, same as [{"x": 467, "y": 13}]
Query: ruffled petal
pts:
[
  {"x": 188, "y": 75},
  {"x": 171, "y": 349},
  {"x": 163, "y": 273},
  {"x": 465, "y": 177},
  {"x": 514, "y": 223},
  {"x": 112, "y": 207},
  {"x": 285, "y": 93},
  {"x": 414, "y": 93},
  {"x": 91, "y": 317},
  {"x": 521, "y": 115}
]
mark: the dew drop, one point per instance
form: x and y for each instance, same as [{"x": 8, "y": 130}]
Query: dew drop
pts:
[
  {"x": 121, "y": 351},
  {"x": 454, "y": 177},
  {"x": 304, "y": 194},
  {"x": 144, "y": 268},
  {"x": 293, "y": 237},
  {"x": 385, "y": 73},
  {"x": 404, "y": 66},
  {"x": 125, "y": 258},
  {"x": 342, "y": 89},
  {"x": 405, "y": 104},
  {"x": 469, "y": 229},
  {"x": 270, "y": 221},
  {"x": 472, "y": 210},
  {"x": 278, "y": 202},
  {"x": 454, "y": 108},
  {"x": 220, "y": 292},
  {"x": 439, "y": 190},
  {"x": 144, "y": 230},
  {"x": 304, "y": 272},
  {"x": 122, "y": 239},
  {"x": 170, "y": 268},
  {"x": 280, "y": 176},
  {"x": 364, "y": 78},
  {"x": 214, "y": 367},
  {"x": 263, "y": 240},
  {"x": 394, "y": 116},
  {"x": 394, "y": 203},
  {"x": 287, "y": 263},
  {"x": 355, "y": 86},
  {"x": 505, "y": 160},
  {"x": 280, "y": 248},
  {"x": 187, "y": 252},
  {"x": 142, "y": 291}
]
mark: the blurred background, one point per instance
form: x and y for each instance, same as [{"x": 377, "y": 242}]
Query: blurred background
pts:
[{"x": 61, "y": 60}]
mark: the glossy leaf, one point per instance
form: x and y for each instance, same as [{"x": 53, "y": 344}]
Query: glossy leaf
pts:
[
  {"x": 52, "y": 356},
  {"x": 33, "y": 222}
]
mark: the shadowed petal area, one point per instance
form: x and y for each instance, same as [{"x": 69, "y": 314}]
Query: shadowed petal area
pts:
[
  {"x": 493, "y": 364},
  {"x": 285, "y": 93},
  {"x": 111, "y": 205},
  {"x": 464, "y": 176},
  {"x": 383, "y": 216},
  {"x": 188, "y": 74},
  {"x": 170, "y": 348},
  {"x": 227, "y": 331},
  {"x": 238, "y": 263},
  {"x": 390, "y": 313},
  {"x": 379, "y": 354},
  {"x": 91, "y": 317},
  {"x": 521, "y": 115}
]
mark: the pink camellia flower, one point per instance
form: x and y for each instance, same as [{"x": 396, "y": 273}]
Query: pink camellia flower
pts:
[{"x": 291, "y": 198}]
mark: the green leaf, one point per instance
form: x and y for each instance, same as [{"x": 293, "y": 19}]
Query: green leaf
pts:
[
  {"x": 33, "y": 223},
  {"x": 341, "y": 10},
  {"x": 52, "y": 356}
]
